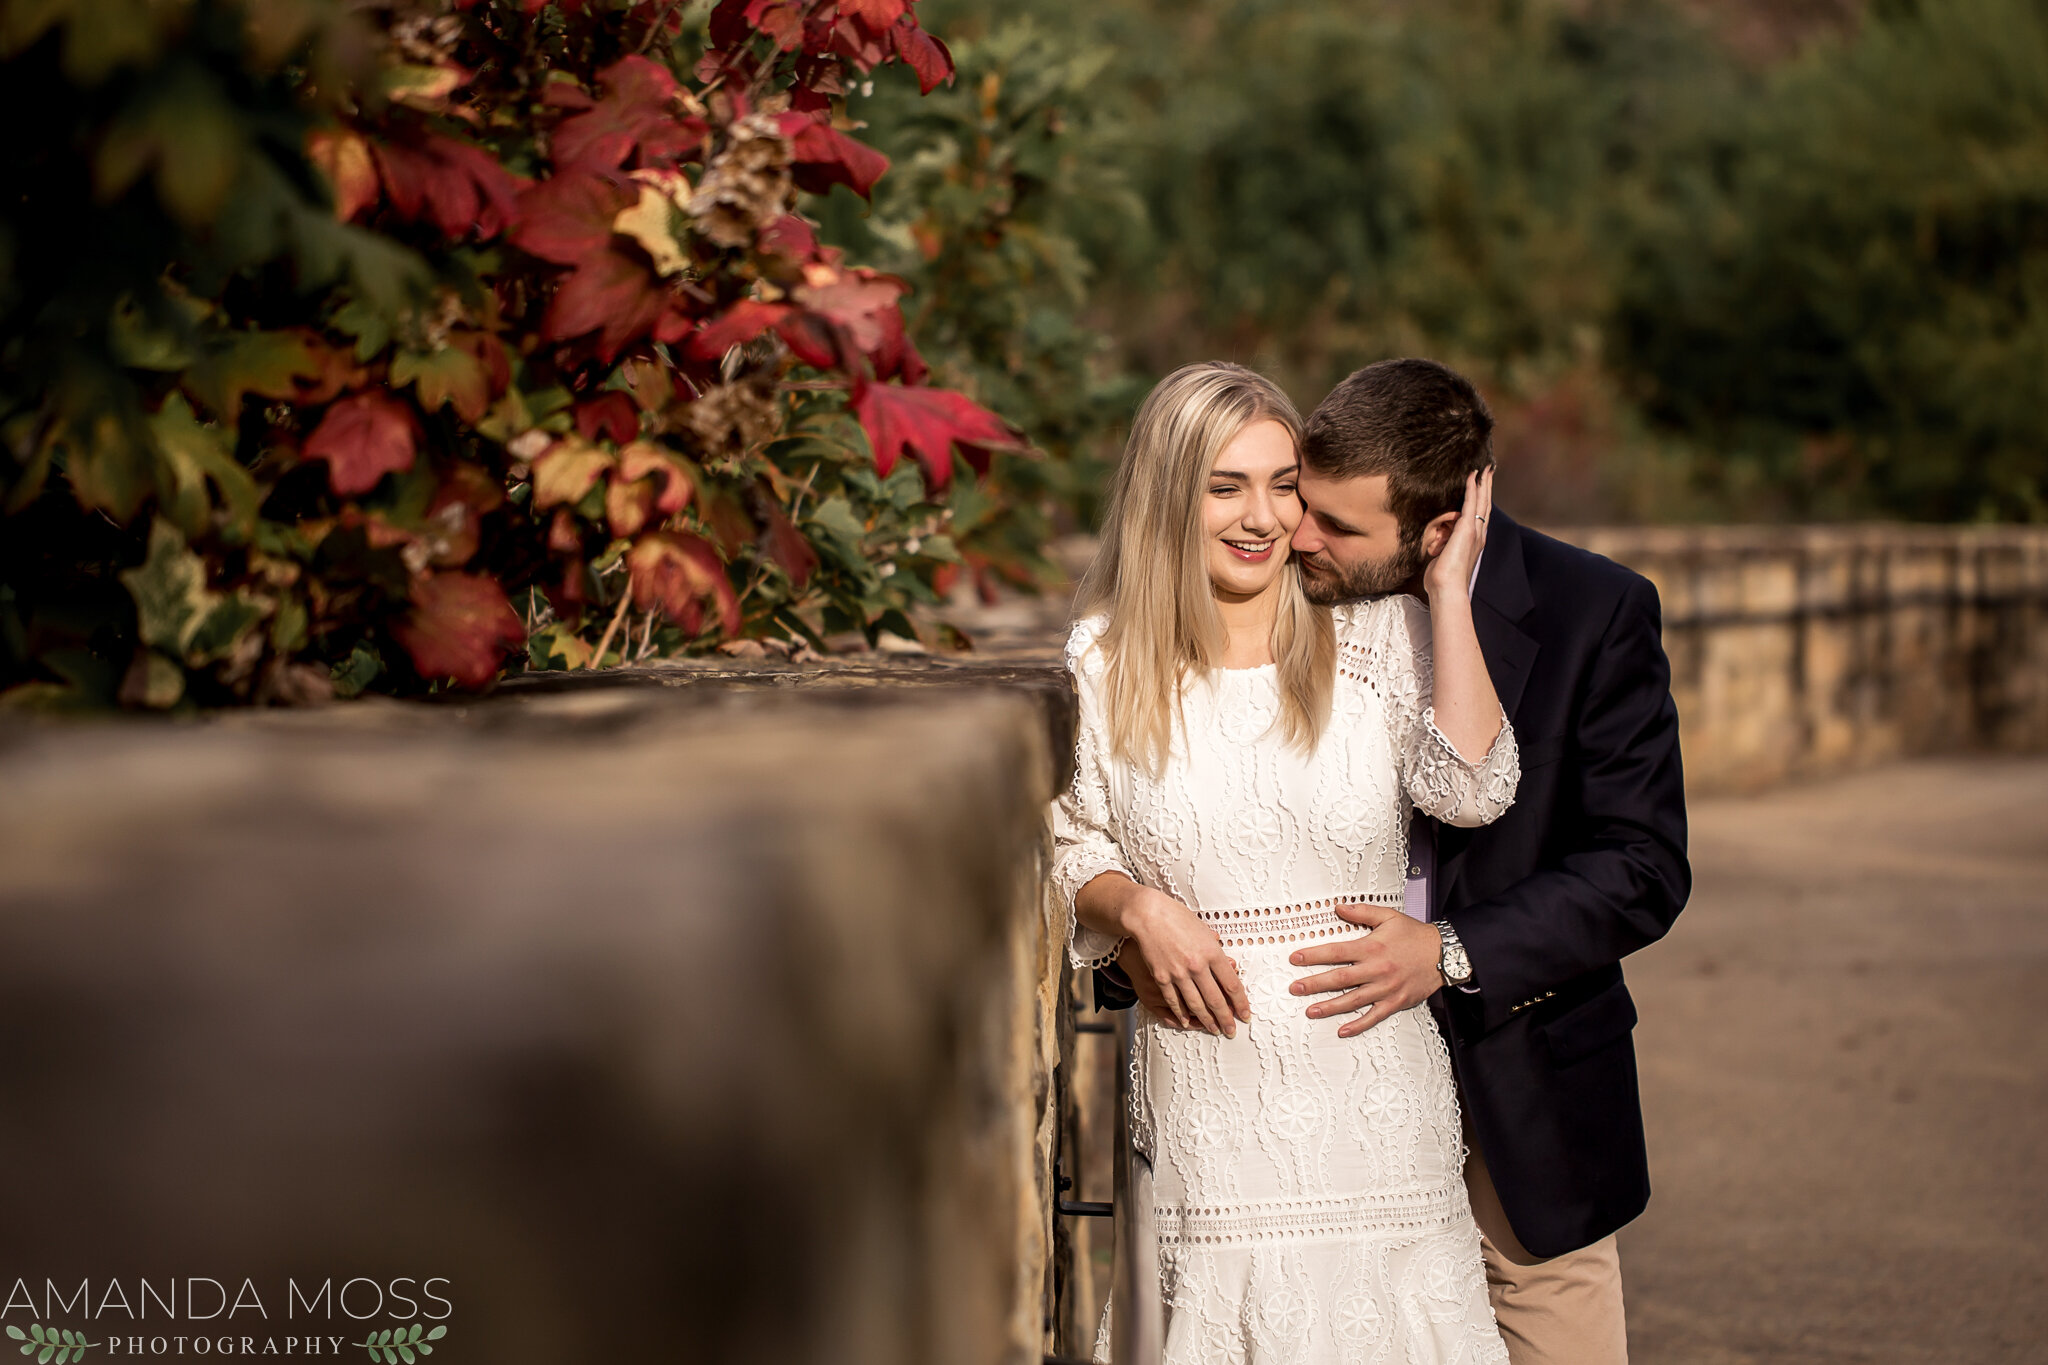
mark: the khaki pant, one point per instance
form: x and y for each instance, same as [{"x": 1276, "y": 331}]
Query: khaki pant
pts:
[{"x": 1562, "y": 1311}]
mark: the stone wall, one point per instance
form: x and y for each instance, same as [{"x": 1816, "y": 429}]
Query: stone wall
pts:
[
  {"x": 711, "y": 1021},
  {"x": 1802, "y": 650}
]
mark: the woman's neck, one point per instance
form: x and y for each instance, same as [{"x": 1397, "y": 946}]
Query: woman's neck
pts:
[{"x": 1248, "y": 627}]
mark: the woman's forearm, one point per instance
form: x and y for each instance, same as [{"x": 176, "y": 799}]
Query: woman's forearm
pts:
[
  {"x": 1467, "y": 709},
  {"x": 1103, "y": 903}
]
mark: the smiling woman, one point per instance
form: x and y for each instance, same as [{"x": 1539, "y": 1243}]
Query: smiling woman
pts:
[{"x": 1191, "y": 575}]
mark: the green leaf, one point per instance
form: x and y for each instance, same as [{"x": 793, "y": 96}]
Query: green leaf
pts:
[
  {"x": 445, "y": 376},
  {"x": 414, "y": 1335},
  {"x": 382, "y": 1337},
  {"x": 236, "y": 364},
  {"x": 223, "y": 628},
  {"x": 194, "y": 454},
  {"x": 288, "y": 627},
  {"x": 357, "y": 673},
  {"x": 43, "y": 1357},
  {"x": 144, "y": 342},
  {"x": 16, "y": 1333},
  {"x": 184, "y": 128},
  {"x": 169, "y": 589},
  {"x": 35, "y": 1330},
  {"x": 438, "y": 1332},
  {"x": 108, "y": 466},
  {"x": 370, "y": 328},
  {"x": 424, "y": 1349},
  {"x": 405, "y": 1354}
]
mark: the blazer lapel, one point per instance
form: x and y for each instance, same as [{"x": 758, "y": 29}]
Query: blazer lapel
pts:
[{"x": 1500, "y": 600}]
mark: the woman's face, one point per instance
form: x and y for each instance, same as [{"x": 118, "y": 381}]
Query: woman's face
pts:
[{"x": 1251, "y": 509}]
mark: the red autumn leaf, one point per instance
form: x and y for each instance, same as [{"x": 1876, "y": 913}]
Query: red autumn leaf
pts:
[
  {"x": 825, "y": 157},
  {"x": 563, "y": 536},
  {"x": 676, "y": 572},
  {"x": 896, "y": 356},
  {"x": 790, "y": 236},
  {"x": 854, "y": 299},
  {"x": 876, "y": 14},
  {"x": 644, "y": 459},
  {"x": 922, "y": 53},
  {"x": 567, "y": 219},
  {"x": 610, "y": 415},
  {"x": 780, "y": 20},
  {"x": 728, "y": 26},
  {"x": 784, "y": 543},
  {"x": 737, "y": 326},
  {"x": 460, "y": 627},
  {"x": 454, "y": 517},
  {"x": 636, "y": 114},
  {"x": 612, "y": 294},
  {"x": 363, "y": 437},
  {"x": 928, "y": 422},
  {"x": 816, "y": 342},
  {"x": 457, "y": 187}
]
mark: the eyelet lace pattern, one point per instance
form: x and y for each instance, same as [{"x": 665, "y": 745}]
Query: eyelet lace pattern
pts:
[{"x": 1309, "y": 1188}]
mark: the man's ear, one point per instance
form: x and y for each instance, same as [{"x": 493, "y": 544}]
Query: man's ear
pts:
[{"x": 1437, "y": 534}]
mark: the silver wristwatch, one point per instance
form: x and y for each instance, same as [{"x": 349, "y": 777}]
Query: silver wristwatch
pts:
[{"x": 1456, "y": 967}]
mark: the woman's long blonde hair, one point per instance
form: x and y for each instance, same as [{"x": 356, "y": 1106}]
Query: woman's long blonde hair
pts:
[{"x": 1151, "y": 578}]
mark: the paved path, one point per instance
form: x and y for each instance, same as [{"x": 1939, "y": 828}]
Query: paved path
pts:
[{"x": 1845, "y": 1060}]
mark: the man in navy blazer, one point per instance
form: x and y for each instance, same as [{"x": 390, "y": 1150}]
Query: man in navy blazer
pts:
[{"x": 1515, "y": 932}]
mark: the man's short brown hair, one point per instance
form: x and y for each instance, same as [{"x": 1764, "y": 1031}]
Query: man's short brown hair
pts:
[{"x": 1419, "y": 423}]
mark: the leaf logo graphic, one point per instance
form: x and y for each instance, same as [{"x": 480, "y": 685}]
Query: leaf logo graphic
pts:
[
  {"x": 59, "y": 1344},
  {"x": 395, "y": 1344}
]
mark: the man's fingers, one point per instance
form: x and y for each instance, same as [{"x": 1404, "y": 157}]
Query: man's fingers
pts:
[
  {"x": 1343, "y": 979},
  {"x": 1350, "y": 1002},
  {"x": 1365, "y": 913},
  {"x": 1374, "y": 1013},
  {"x": 1328, "y": 953}
]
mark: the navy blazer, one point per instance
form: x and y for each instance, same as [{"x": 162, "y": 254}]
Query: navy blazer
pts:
[{"x": 1586, "y": 867}]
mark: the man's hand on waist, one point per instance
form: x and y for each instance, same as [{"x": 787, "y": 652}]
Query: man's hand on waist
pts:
[{"x": 1382, "y": 972}]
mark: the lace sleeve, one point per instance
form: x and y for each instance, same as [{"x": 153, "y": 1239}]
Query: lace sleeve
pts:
[
  {"x": 1083, "y": 846},
  {"x": 1439, "y": 780}
]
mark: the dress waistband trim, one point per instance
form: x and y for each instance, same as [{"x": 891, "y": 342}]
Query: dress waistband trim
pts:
[
  {"x": 1303, "y": 921},
  {"x": 1309, "y": 1219}
]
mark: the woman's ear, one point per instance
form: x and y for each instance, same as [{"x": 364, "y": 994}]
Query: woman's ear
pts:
[{"x": 1437, "y": 534}]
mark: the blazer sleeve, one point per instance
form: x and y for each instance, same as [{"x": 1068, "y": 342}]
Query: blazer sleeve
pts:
[{"x": 1623, "y": 876}]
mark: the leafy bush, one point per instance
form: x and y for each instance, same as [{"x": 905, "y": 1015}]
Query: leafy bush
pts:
[
  {"x": 1846, "y": 287},
  {"x": 358, "y": 347}
]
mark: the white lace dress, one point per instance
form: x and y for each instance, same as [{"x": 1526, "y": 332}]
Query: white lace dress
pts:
[{"x": 1308, "y": 1189}]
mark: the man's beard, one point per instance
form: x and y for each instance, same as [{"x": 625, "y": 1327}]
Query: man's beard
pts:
[{"x": 1326, "y": 584}]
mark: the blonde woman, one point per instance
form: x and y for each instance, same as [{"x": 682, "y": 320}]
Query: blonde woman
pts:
[{"x": 1247, "y": 764}]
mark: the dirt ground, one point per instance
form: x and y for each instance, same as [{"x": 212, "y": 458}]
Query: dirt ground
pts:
[{"x": 1844, "y": 1045}]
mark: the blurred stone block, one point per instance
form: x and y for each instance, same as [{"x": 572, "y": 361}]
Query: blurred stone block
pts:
[{"x": 694, "y": 1025}]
